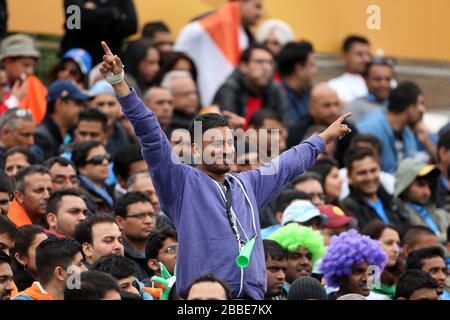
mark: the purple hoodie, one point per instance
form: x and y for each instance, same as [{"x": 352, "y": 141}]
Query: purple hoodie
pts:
[{"x": 195, "y": 204}]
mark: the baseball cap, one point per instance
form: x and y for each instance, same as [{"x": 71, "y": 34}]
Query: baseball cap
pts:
[
  {"x": 82, "y": 58},
  {"x": 301, "y": 211},
  {"x": 336, "y": 217},
  {"x": 102, "y": 87},
  {"x": 65, "y": 89},
  {"x": 18, "y": 45}
]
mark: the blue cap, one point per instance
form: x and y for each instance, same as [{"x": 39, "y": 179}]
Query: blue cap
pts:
[
  {"x": 301, "y": 211},
  {"x": 81, "y": 57},
  {"x": 102, "y": 87},
  {"x": 65, "y": 89}
]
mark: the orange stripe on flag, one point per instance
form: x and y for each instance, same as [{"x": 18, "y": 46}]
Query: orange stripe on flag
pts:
[{"x": 223, "y": 27}]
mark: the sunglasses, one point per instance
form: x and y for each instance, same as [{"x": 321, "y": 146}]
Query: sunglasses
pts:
[
  {"x": 97, "y": 160},
  {"x": 14, "y": 113}
]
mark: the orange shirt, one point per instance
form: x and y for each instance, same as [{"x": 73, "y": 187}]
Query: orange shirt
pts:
[
  {"x": 18, "y": 215},
  {"x": 35, "y": 100}
]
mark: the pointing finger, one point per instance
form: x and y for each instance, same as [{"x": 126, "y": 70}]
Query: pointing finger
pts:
[{"x": 106, "y": 49}]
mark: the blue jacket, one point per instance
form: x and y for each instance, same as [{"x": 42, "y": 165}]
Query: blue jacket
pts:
[
  {"x": 376, "y": 123},
  {"x": 195, "y": 204}
]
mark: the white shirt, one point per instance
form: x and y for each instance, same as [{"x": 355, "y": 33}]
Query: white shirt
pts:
[{"x": 349, "y": 86}]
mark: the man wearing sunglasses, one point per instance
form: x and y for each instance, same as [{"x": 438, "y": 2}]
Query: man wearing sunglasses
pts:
[
  {"x": 136, "y": 218},
  {"x": 65, "y": 102}
]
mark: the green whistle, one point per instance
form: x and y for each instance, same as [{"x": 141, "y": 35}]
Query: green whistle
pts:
[{"x": 243, "y": 259}]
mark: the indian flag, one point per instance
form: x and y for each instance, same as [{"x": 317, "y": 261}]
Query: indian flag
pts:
[{"x": 215, "y": 43}]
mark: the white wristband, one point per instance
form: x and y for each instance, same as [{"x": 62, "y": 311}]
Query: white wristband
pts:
[{"x": 113, "y": 79}]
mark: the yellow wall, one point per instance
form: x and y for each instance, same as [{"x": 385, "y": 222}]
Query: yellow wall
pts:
[{"x": 410, "y": 28}]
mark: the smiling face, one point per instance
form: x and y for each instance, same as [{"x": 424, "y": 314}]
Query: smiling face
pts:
[
  {"x": 217, "y": 152},
  {"x": 333, "y": 184},
  {"x": 299, "y": 265},
  {"x": 364, "y": 176}
]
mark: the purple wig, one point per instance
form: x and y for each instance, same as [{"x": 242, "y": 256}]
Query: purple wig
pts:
[{"x": 349, "y": 249}]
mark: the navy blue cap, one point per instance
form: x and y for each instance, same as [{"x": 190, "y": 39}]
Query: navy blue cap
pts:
[{"x": 65, "y": 89}]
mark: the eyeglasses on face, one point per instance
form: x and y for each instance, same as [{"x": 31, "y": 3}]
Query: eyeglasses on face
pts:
[
  {"x": 142, "y": 216},
  {"x": 97, "y": 160},
  {"x": 171, "y": 249}
]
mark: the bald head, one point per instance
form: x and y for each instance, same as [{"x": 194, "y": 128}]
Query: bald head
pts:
[{"x": 324, "y": 106}]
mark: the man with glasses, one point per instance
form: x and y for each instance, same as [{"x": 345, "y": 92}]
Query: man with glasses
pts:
[
  {"x": 162, "y": 247},
  {"x": 251, "y": 88},
  {"x": 65, "y": 102},
  {"x": 136, "y": 218}
]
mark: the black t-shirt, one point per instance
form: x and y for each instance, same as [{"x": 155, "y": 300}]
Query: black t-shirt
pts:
[{"x": 399, "y": 146}]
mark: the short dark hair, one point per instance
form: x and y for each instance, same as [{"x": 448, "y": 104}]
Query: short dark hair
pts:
[
  {"x": 406, "y": 94},
  {"x": 52, "y": 253},
  {"x": 124, "y": 158},
  {"x": 6, "y": 184},
  {"x": 117, "y": 266},
  {"x": 23, "y": 173},
  {"x": 156, "y": 239},
  {"x": 210, "y": 277},
  {"x": 94, "y": 285},
  {"x": 351, "y": 40},
  {"x": 412, "y": 234},
  {"x": 291, "y": 54},
  {"x": 127, "y": 200},
  {"x": 358, "y": 154},
  {"x": 413, "y": 280},
  {"x": 81, "y": 152},
  {"x": 307, "y": 176},
  {"x": 273, "y": 250},
  {"x": 83, "y": 230},
  {"x": 382, "y": 62},
  {"x": 443, "y": 142},
  {"x": 49, "y": 163},
  {"x": 323, "y": 167},
  {"x": 257, "y": 119},
  {"x": 8, "y": 227},
  {"x": 415, "y": 259},
  {"x": 151, "y": 28},
  {"x": 247, "y": 53},
  {"x": 287, "y": 196},
  {"x": 54, "y": 202},
  {"x": 4, "y": 258},
  {"x": 366, "y": 138},
  {"x": 94, "y": 115},
  {"x": 208, "y": 121},
  {"x": 31, "y": 159}
]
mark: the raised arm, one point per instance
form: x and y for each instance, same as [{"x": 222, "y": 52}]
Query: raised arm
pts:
[
  {"x": 269, "y": 181},
  {"x": 166, "y": 169}
]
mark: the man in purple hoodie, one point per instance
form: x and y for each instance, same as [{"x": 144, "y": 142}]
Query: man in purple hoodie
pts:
[{"x": 215, "y": 213}]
